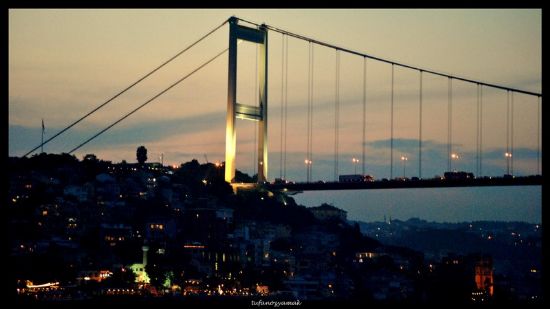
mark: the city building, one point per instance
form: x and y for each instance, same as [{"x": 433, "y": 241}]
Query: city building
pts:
[{"x": 484, "y": 275}]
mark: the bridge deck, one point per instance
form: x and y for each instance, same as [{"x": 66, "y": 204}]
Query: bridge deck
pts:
[{"x": 400, "y": 184}]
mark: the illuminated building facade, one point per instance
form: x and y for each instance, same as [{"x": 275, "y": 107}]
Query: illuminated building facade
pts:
[{"x": 484, "y": 275}]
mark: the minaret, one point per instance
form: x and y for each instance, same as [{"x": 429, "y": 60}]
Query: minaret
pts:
[{"x": 145, "y": 249}]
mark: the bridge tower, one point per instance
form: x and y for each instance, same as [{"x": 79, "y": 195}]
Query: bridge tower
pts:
[{"x": 243, "y": 111}]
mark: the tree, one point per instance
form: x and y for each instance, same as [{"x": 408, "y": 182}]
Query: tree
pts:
[
  {"x": 90, "y": 157},
  {"x": 141, "y": 154}
]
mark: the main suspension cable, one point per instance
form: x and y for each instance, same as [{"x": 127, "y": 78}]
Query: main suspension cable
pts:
[
  {"x": 349, "y": 51},
  {"x": 125, "y": 89},
  {"x": 149, "y": 101}
]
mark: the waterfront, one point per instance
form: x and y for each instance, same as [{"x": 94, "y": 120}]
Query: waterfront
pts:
[{"x": 521, "y": 203}]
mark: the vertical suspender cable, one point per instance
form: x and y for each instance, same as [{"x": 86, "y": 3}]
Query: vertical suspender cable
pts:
[
  {"x": 507, "y": 129},
  {"x": 308, "y": 111},
  {"x": 308, "y": 107},
  {"x": 311, "y": 112},
  {"x": 449, "y": 124},
  {"x": 364, "y": 140},
  {"x": 336, "y": 114},
  {"x": 451, "y": 116},
  {"x": 477, "y": 130},
  {"x": 511, "y": 132},
  {"x": 480, "y": 130},
  {"x": 286, "y": 103},
  {"x": 282, "y": 104},
  {"x": 507, "y": 132},
  {"x": 391, "y": 125},
  {"x": 256, "y": 100},
  {"x": 538, "y": 135},
  {"x": 420, "y": 130},
  {"x": 308, "y": 101},
  {"x": 448, "y": 127}
]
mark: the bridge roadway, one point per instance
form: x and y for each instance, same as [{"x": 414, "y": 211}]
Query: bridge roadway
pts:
[{"x": 401, "y": 184}]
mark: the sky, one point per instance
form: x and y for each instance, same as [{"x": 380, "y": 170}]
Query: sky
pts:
[{"x": 63, "y": 63}]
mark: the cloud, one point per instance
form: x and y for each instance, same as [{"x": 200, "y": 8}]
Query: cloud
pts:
[
  {"x": 407, "y": 144},
  {"x": 155, "y": 130},
  {"x": 24, "y": 138},
  {"x": 519, "y": 153}
]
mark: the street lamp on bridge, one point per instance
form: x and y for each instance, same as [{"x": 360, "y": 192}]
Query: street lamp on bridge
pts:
[
  {"x": 508, "y": 156},
  {"x": 308, "y": 169},
  {"x": 454, "y": 156},
  {"x": 404, "y": 159},
  {"x": 355, "y": 161}
]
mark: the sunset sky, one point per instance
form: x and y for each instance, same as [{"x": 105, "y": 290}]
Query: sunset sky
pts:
[{"x": 63, "y": 63}]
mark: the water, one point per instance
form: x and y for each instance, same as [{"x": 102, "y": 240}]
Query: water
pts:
[{"x": 521, "y": 203}]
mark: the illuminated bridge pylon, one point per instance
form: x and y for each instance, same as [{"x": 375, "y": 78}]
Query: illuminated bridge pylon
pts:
[{"x": 242, "y": 111}]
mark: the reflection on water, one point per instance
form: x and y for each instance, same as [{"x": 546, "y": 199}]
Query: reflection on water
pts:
[{"x": 521, "y": 203}]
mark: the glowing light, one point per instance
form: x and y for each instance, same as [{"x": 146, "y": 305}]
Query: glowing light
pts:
[
  {"x": 45, "y": 285},
  {"x": 193, "y": 246}
]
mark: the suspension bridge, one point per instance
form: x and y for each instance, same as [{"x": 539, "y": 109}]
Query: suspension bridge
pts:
[{"x": 257, "y": 111}]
